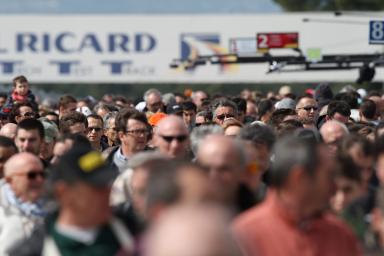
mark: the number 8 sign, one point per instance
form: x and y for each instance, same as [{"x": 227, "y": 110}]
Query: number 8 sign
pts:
[{"x": 376, "y": 32}]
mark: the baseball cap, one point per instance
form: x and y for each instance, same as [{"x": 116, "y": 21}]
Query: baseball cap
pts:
[
  {"x": 286, "y": 103},
  {"x": 174, "y": 109},
  {"x": 83, "y": 164}
]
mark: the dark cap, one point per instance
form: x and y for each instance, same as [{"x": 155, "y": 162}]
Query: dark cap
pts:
[
  {"x": 174, "y": 109},
  {"x": 83, "y": 165}
]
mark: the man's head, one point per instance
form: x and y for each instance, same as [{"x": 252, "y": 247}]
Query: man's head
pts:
[
  {"x": 349, "y": 185},
  {"x": 306, "y": 109},
  {"x": 9, "y": 130},
  {"x": 3, "y": 99},
  {"x": 304, "y": 175},
  {"x": 67, "y": 104},
  {"x": 29, "y": 136},
  {"x": 7, "y": 149},
  {"x": 198, "y": 97},
  {"x": 133, "y": 130},
  {"x": 333, "y": 132},
  {"x": 339, "y": 111},
  {"x": 22, "y": 111},
  {"x": 74, "y": 122},
  {"x": 262, "y": 138},
  {"x": 110, "y": 127},
  {"x": 171, "y": 137},
  {"x": 21, "y": 85},
  {"x": 25, "y": 175},
  {"x": 153, "y": 100},
  {"x": 51, "y": 133},
  {"x": 225, "y": 161},
  {"x": 95, "y": 128},
  {"x": 223, "y": 109},
  {"x": 189, "y": 113},
  {"x": 82, "y": 183},
  {"x": 367, "y": 110}
]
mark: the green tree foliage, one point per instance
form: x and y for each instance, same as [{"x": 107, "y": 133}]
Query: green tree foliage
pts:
[{"x": 331, "y": 5}]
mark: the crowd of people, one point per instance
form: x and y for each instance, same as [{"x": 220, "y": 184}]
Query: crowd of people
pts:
[{"x": 193, "y": 174}]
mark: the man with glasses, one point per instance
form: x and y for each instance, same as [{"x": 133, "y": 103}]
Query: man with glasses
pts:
[
  {"x": 21, "y": 207},
  {"x": 171, "y": 137},
  {"x": 95, "y": 131},
  {"x": 133, "y": 131},
  {"x": 223, "y": 109},
  {"x": 306, "y": 109},
  {"x": 153, "y": 101}
]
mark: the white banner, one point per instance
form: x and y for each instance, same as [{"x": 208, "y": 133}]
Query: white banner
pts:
[{"x": 139, "y": 49}]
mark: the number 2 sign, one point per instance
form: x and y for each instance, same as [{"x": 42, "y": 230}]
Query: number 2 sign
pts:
[{"x": 376, "y": 32}]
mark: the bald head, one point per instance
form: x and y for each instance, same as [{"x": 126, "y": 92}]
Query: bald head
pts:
[
  {"x": 25, "y": 175},
  {"x": 9, "y": 130},
  {"x": 171, "y": 137},
  {"x": 224, "y": 157},
  {"x": 17, "y": 161},
  {"x": 204, "y": 234},
  {"x": 333, "y": 132}
]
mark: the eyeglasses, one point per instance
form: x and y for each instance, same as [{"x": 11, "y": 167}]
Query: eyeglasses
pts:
[
  {"x": 96, "y": 129},
  {"x": 32, "y": 175},
  {"x": 28, "y": 114},
  {"x": 223, "y": 116},
  {"x": 309, "y": 108},
  {"x": 138, "y": 132},
  {"x": 179, "y": 138}
]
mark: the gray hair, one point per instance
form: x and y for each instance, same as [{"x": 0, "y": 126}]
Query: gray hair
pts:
[
  {"x": 223, "y": 103},
  {"x": 169, "y": 99},
  {"x": 109, "y": 116},
  {"x": 305, "y": 154},
  {"x": 151, "y": 91},
  {"x": 199, "y": 133}
]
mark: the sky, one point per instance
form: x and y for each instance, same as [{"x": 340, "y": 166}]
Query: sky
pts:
[{"x": 137, "y": 6}]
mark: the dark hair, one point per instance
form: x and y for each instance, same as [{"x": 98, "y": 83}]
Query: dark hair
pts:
[
  {"x": 65, "y": 100},
  {"x": 128, "y": 113},
  {"x": 350, "y": 98},
  {"x": 95, "y": 116},
  {"x": 79, "y": 140},
  {"x": 258, "y": 134},
  {"x": 189, "y": 105},
  {"x": 368, "y": 109},
  {"x": 279, "y": 114},
  {"x": 3, "y": 95},
  {"x": 19, "y": 79},
  {"x": 31, "y": 124},
  {"x": 305, "y": 154},
  {"x": 7, "y": 142},
  {"x": 206, "y": 114},
  {"x": 288, "y": 127},
  {"x": 338, "y": 106},
  {"x": 354, "y": 139},
  {"x": 346, "y": 168},
  {"x": 264, "y": 107},
  {"x": 222, "y": 102},
  {"x": 15, "y": 111},
  {"x": 70, "y": 119},
  {"x": 241, "y": 104}
]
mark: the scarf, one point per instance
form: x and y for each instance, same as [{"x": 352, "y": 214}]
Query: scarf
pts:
[{"x": 27, "y": 208}]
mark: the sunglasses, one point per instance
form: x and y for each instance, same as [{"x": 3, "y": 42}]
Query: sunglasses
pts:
[
  {"x": 309, "y": 108},
  {"x": 138, "y": 132},
  {"x": 223, "y": 116},
  {"x": 179, "y": 138},
  {"x": 32, "y": 175},
  {"x": 28, "y": 114},
  {"x": 96, "y": 129}
]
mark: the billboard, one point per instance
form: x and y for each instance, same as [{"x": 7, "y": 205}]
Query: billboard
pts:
[{"x": 140, "y": 48}]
